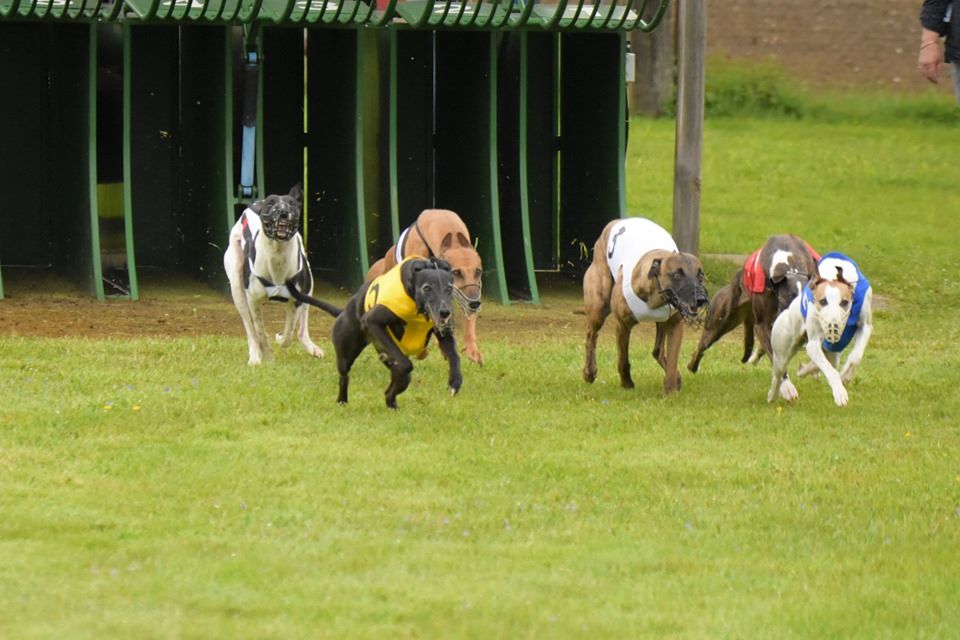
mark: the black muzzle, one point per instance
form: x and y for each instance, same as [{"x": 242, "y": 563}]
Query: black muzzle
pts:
[{"x": 690, "y": 300}]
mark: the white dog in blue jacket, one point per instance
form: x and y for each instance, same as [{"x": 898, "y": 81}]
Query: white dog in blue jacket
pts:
[{"x": 834, "y": 310}]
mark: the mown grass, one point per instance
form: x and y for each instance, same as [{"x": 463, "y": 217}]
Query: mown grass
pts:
[{"x": 161, "y": 488}]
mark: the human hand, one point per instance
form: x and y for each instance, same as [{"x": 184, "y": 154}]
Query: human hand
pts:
[{"x": 930, "y": 60}]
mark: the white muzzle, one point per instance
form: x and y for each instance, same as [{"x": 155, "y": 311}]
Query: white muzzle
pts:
[{"x": 833, "y": 320}]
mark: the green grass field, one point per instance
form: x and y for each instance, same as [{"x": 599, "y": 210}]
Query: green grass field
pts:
[{"x": 162, "y": 488}]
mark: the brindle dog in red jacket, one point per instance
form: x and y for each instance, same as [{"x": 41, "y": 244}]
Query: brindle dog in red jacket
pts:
[{"x": 770, "y": 279}]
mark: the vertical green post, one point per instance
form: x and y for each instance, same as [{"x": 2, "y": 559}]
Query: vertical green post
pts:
[
  {"x": 96, "y": 267},
  {"x": 127, "y": 160},
  {"x": 392, "y": 135},
  {"x": 493, "y": 177}
]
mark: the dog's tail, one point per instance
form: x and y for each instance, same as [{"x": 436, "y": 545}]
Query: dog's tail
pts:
[{"x": 299, "y": 296}]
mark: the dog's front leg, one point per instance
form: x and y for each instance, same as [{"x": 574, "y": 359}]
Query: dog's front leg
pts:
[
  {"x": 448, "y": 346},
  {"x": 258, "y": 342},
  {"x": 253, "y": 344},
  {"x": 470, "y": 339},
  {"x": 289, "y": 324},
  {"x": 301, "y": 315},
  {"x": 860, "y": 341},
  {"x": 673, "y": 337},
  {"x": 816, "y": 355},
  {"x": 400, "y": 366},
  {"x": 623, "y": 353},
  {"x": 400, "y": 370}
]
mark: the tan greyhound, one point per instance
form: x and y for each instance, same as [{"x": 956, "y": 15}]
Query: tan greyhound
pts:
[{"x": 441, "y": 233}]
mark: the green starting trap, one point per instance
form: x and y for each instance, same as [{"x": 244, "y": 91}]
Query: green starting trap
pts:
[{"x": 131, "y": 124}]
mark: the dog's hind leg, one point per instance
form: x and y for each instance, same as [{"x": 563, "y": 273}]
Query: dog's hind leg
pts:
[
  {"x": 727, "y": 310},
  {"x": 623, "y": 354},
  {"x": 597, "y": 286},
  {"x": 349, "y": 345},
  {"x": 750, "y": 354}
]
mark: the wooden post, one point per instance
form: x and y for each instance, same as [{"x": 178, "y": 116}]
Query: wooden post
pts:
[{"x": 691, "y": 44}]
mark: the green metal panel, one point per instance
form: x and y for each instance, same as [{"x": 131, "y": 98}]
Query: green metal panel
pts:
[
  {"x": 72, "y": 154},
  {"x": 514, "y": 143},
  {"x": 24, "y": 127},
  {"x": 281, "y": 118},
  {"x": 539, "y": 114},
  {"x": 111, "y": 212},
  {"x": 411, "y": 126},
  {"x": 591, "y": 123},
  {"x": 466, "y": 144},
  {"x": 206, "y": 125},
  {"x": 152, "y": 148},
  {"x": 373, "y": 204},
  {"x": 337, "y": 237}
]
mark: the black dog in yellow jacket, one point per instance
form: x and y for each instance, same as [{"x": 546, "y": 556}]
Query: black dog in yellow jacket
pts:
[{"x": 397, "y": 312}]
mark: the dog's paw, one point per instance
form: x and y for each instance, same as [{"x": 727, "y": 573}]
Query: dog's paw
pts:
[
  {"x": 315, "y": 351},
  {"x": 808, "y": 369},
  {"x": 454, "y": 385},
  {"x": 848, "y": 370},
  {"x": 788, "y": 391},
  {"x": 840, "y": 396},
  {"x": 474, "y": 355}
]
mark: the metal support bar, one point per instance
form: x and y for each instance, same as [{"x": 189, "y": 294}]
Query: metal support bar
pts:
[
  {"x": 692, "y": 31},
  {"x": 251, "y": 86}
]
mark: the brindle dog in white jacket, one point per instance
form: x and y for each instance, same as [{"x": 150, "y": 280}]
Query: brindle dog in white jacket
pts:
[
  {"x": 264, "y": 252},
  {"x": 639, "y": 275}
]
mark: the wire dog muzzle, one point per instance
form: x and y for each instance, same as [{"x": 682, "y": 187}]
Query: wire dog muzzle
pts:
[
  {"x": 469, "y": 304},
  {"x": 695, "y": 313}
]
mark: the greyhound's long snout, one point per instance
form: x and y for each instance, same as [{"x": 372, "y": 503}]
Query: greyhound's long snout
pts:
[
  {"x": 444, "y": 314},
  {"x": 474, "y": 305},
  {"x": 702, "y": 299}
]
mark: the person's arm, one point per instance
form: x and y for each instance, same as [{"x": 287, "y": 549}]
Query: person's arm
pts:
[{"x": 930, "y": 58}]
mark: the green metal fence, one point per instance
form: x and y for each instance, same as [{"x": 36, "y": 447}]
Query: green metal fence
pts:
[{"x": 128, "y": 137}]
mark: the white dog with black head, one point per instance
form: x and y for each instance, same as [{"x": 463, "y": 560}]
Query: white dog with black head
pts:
[
  {"x": 266, "y": 252},
  {"x": 833, "y": 310}
]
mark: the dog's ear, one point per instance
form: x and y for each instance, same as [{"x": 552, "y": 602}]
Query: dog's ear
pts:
[
  {"x": 296, "y": 192},
  {"x": 263, "y": 205},
  {"x": 778, "y": 274},
  {"x": 462, "y": 239},
  {"x": 447, "y": 242},
  {"x": 440, "y": 263},
  {"x": 655, "y": 268},
  {"x": 419, "y": 265},
  {"x": 813, "y": 282},
  {"x": 840, "y": 275}
]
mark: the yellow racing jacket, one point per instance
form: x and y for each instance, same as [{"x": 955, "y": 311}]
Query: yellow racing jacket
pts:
[{"x": 388, "y": 291}]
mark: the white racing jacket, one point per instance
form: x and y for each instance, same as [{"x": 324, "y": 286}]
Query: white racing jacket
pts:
[{"x": 629, "y": 239}]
